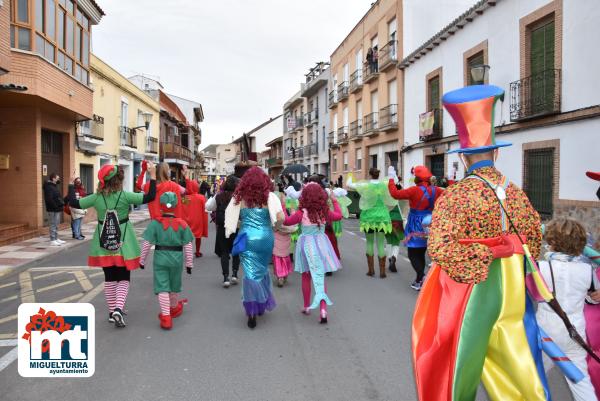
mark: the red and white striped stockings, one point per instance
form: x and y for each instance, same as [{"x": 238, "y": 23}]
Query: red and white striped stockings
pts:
[{"x": 115, "y": 293}]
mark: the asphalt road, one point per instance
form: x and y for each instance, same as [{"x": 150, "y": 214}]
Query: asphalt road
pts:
[{"x": 362, "y": 354}]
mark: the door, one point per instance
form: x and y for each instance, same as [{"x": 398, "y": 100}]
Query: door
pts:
[
  {"x": 345, "y": 117},
  {"x": 373, "y": 161},
  {"x": 335, "y": 128},
  {"x": 346, "y": 73},
  {"x": 374, "y": 107},
  {"x": 541, "y": 57},
  {"x": 436, "y": 165},
  {"x": 392, "y": 28},
  {"x": 359, "y": 62},
  {"x": 335, "y": 83},
  {"x": 391, "y": 159},
  {"x": 359, "y": 116},
  {"x": 52, "y": 161},
  {"x": 86, "y": 174},
  {"x": 539, "y": 180}
]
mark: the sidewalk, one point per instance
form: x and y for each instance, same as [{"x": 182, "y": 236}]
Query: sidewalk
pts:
[{"x": 18, "y": 254}]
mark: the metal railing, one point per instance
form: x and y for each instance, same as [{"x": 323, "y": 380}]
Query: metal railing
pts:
[
  {"x": 311, "y": 150},
  {"x": 128, "y": 137},
  {"x": 332, "y": 139},
  {"x": 355, "y": 129},
  {"x": 438, "y": 126},
  {"x": 370, "y": 72},
  {"x": 356, "y": 80},
  {"x": 371, "y": 125},
  {"x": 93, "y": 128},
  {"x": 388, "y": 117},
  {"x": 388, "y": 55},
  {"x": 342, "y": 91},
  {"x": 342, "y": 135},
  {"x": 535, "y": 96},
  {"x": 332, "y": 98},
  {"x": 274, "y": 162},
  {"x": 151, "y": 145},
  {"x": 312, "y": 117},
  {"x": 299, "y": 123}
]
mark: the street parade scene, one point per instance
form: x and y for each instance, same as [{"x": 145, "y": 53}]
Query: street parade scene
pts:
[{"x": 196, "y": 209}]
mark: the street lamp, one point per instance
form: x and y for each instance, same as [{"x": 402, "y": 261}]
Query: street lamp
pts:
[
  {"x": 479, "y": 73},
  {"x": 147, "y": 118}
]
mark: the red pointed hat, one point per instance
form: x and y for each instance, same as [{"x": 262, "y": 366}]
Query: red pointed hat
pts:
[
  {"x": 593, "y": 175},
  {"x": 107, "y": 172}
]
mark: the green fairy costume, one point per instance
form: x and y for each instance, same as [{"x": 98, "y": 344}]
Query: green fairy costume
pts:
[{"x": 375, "y": 203}]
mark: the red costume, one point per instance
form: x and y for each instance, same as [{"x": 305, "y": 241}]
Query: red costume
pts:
[{"x": 194, "y": 213}]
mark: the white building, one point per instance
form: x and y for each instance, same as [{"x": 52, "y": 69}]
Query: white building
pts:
[
  {"x": 210, "y": 161},
  {"x": 224, "y": 152},
  {"x": 540, "y": 53}
]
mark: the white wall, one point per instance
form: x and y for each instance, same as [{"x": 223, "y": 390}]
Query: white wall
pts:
[{"x": 267, "y": 133}]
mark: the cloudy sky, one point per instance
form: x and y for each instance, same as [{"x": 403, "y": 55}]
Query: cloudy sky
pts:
[{"x": 242, "y": 59}]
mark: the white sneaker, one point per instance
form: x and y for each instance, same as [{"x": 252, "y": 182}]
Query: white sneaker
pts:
[
  {"x": 55, "y": 243},
  {"x": 61, "y": 241}
]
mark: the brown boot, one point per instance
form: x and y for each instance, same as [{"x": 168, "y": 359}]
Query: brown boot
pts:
[
  {"x": 382, "y": 267},
  {"x": 371, "y": 264}
]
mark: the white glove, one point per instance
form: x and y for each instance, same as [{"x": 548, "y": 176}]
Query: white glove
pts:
[
  {"x": 292, "y": 193},
  {"x": 392, "y": 174},
  {"x": 339, "y": 192}
]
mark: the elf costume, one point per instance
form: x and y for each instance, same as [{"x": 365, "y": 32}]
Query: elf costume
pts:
[
  {"x": 173, "y": 245},
  {"x": 194, "y": 213},
  {"x": 473, "y": 320}
]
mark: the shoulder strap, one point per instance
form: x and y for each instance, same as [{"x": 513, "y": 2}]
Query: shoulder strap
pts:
[
  {"x": 592, "y": 286},
  {"x": 552, "y": 277}
]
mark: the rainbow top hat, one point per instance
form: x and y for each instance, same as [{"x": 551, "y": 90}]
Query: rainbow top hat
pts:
[{"x": 472, "y": 109}]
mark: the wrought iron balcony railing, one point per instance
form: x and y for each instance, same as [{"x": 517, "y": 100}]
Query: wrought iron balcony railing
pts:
[
  {"x": 388, "y": 117},
  {"x": 311, "y": 150},
  {"x": 274, "y": 162},
  {"x": 536, "y": 96},
  {"x": 332, "y": 98},
  {"x": 342, "y": 135},
  {"x": 151, "y": 145},
  {"x": 93, "y": 128},
  {"x": 370, "y": 72},
  {"x": 299, "y": 123},
  {"x": 355, "y": 129},
  {"x": 332, "y": 140},
  {"x": 371, "y": 125},
  {"x": 356, "y": 80},
  {"x": 128, "y": 137},
  {"x": 342, "y": 91},
  {"x": 436, "y": 131},
  {"x": 388, "y": 55}
]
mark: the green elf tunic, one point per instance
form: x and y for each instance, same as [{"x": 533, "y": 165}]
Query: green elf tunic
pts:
[
  {"x": 129, "y": 253},
  {"x": 397, "y": 235},
  {"x": 168, "y": 264},
  {"x": 375, "y": 204}
]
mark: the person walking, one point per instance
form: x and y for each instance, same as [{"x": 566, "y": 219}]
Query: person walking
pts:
[
  {"x": 194, "y": 213},
  {"x": 223, "y": 245},
  {"x": 256, "y": 208},
  {"x": 569, "y": 278},
  {"x": 422, "y": 198},
  {"x": 77, "y": 215},
  {"x": 114, "y": 247},
  {"x": 54, "y": 207},
  {"x": 163, "y": 184}
]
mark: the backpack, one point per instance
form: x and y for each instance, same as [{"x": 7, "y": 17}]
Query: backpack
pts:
[{"x": 110, "y": 233}]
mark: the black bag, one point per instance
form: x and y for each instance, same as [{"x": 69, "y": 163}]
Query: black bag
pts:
[{"x": 110, "y": 234}]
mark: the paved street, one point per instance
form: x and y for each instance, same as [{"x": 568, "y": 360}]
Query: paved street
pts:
[{"x": 362, "y": 354}]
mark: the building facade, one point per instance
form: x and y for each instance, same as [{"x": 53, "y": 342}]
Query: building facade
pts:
[
  {"x": 44, "y": 91},
  {"x": 195, "y": 115},
  {"x": 273, "y": 162},
  {"x": 209, "y": 168},
  {"x": 117, "y": 132},
  {"x": 316, "y": 119},
  {"x": 257, "y": 139},
  {"x": 365, "y": 94},
  {"x": 224, "y": 152},
  {"x": 551, "y": 108},
  {"x": 293, "y": 129}
]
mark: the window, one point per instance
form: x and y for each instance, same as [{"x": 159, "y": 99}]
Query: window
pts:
[
  {"x": 539, "y": 179},
  {"x": 541, "y": 68},
  {"x": 433, "y": 92},
  {"x": 345, "y": 159},
  {"x": 323, "y": 139},
  {"x": 334, "y": 163},
  {"x": 474, "y": 60},
  {"x": 123, "y": 113},
  {"x": 23, "y": 11},
  {"x": 373, "y": 161},
  {"x": 358, "y": 159},
  {"x": 86, "y": 174}
]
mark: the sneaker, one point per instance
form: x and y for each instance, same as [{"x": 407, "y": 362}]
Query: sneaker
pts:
[
  {"x": 55, "y": 243},
  {"x": 280, "y": 282},
  {"x": 111, "y": 319},
  {"x": 117, "y": 315},
  {"x": 80, "y": 238},
  {"x": 416, "y": 285},
  {"x": 226, "y": 282},
  {"x": 305, "y": 311},
  {"x": 60, "y": 241},
  {"x": 234, "y": 280}
]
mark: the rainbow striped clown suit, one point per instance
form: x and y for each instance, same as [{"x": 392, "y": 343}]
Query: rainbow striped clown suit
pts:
[{"x": 473, "y": 320}]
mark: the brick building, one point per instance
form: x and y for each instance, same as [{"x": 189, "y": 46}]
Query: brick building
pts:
[{"x": 44, "y": 92}]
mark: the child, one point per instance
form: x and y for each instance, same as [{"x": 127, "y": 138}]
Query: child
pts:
[
  {"x": 314, "y": 254},
  {"x": 569, "y": 277},
  {"x": 173, "y": 246},
  {"x": 282, "y": 263},
  {"x": 194, "y": 213}
]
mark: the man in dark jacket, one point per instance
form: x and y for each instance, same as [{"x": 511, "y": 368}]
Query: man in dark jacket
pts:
[{"x": 54, "y": 207}]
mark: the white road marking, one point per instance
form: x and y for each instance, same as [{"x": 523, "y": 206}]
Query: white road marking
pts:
[
  {"x": 26, "y": 287},
  {"x": 8, "y": 284},
  {"x": 83, "y": 280},
  {"x": 8, "y": 343},
  {"x": 69, "y": 298},
  {"x": 10, "y": 336},
  {"x": 47, "y": 268},
  {"x": 48, "y": 274},
  {"x": 8, "y": 358},
  {"x": 8, "y": 318},
  {"x": 8, "y": 299},
  {"x": 53, "y": 286}
]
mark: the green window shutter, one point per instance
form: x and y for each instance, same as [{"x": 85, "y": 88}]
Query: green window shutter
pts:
[{"x": 434, "y": 93}]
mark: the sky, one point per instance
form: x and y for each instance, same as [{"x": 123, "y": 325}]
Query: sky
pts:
[{"x": 241, "y": 59}]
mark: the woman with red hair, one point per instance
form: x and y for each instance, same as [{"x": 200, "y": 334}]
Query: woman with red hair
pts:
[
  {"x": 314, "y": 254},
  {"x": 256, "y": 208}
]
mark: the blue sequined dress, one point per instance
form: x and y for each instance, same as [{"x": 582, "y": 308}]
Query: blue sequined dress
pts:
[{"x": 257, "y": 295}]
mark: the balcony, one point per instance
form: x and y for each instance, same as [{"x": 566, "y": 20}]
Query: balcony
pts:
[
  {"x": 312, "y": 117},
  {"x": 299, "y": 123},
  {"x": 356, "y": 130},
  {"x": 128, "y": 137},
  {"x": 535, "y": 96},
  {"x": 371, "y": 126},
  {"x": 299, "y": 153},
  {"x": 431, "y": 125},
  {"x": 369, "y": 72},
  {"x": 388, "y": 118},
  {"x": 332, "y": 99},
  {"x": 332, "y": 140},
  {"x": 388, "y": 55},
  {"x": 91, "y": 131},
  {"x": 342, "y": 135},
  {"x": 311, "y": 150},
  {"x": 342, "y": 91},
  {"x": 151, "y": 145},
  {"x": 275, "y": 162},
  {"x": 172, "y": 150},
  {"x": 356, "y": 81}
]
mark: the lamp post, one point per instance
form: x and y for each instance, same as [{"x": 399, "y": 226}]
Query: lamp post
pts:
[
  {"x": 147, "y": 118},
  {"x": 479, "y": 73}
]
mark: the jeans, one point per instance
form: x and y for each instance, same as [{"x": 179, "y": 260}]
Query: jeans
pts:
[
  {"x": 76, "y": 227},
  {"x": 53, "y": 222},
  {"x": 225, "y": 264}
]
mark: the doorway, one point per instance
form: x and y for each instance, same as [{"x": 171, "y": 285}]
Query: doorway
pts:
[
  {"x": 52, "y": 161},
  {"x": 437, "y": 165}
]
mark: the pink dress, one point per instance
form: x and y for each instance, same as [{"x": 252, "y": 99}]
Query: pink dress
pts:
[{"x": 282, "y": 263}]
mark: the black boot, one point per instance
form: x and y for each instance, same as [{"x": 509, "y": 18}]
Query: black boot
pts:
[
  {"x": 392, "y": 261},
  {"x": 252, "y": 321}
]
